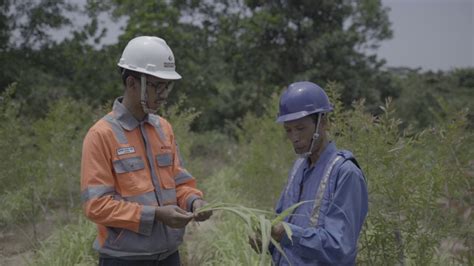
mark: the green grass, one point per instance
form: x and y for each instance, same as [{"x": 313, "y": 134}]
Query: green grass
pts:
[{"x": 70, "y": 245}]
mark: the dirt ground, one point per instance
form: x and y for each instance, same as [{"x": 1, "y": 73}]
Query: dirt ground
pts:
[
  {"x": 15, "y": 246},
  {"x": 17, "y": 242}
]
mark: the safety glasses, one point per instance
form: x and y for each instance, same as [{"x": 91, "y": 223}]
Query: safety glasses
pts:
[{"x": 161, "y": 87}]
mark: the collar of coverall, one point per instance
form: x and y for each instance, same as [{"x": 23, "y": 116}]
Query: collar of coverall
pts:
[
  {"x": 325, "y": 155},
  {"x": 125, "y": 118}
]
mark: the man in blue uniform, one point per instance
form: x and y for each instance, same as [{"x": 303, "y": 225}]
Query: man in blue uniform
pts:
[{"x": 326, "y": 229}]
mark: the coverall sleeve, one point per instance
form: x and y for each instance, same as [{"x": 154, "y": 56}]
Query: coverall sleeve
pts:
[
  {"x": 186, "y": 191},
  {"x": 98, "y": 189},
  {"x": 336, "y": 242}
]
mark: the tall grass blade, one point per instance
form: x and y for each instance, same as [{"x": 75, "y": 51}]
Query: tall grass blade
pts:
[{"x": 288, "y": 211}]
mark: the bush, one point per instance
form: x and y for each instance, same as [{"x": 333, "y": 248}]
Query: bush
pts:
[
  {"x": 409, "y": 176},
  {"x": 70, "y": 245},
  {"x": 39, "y": 168},
  {"x": 420, "y": 182}
]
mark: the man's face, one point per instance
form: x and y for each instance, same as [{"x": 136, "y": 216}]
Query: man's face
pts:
[
  {"x": 300, "y": 132},
  {"x": 157, "y": 90}
]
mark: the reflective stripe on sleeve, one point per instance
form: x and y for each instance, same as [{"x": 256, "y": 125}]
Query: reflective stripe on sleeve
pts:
[
  {"x": 189, "y": 202},
  {"x": 182, "y": 177},
  {"x": 146, "y": 220},
  {"x": 117, "y": 129},
  {"x": 93, "y": 192}
]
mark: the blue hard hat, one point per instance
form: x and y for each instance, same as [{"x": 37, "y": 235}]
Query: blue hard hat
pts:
[{"x": 301, "y": 99}]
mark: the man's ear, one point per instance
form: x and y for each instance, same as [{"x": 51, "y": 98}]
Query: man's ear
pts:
[
  {"x": 326, "y": 122},
  {"x": 130, "y": 82}
]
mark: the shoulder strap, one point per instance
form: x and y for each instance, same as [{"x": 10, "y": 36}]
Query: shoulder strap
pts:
[
  {"x": 341, "y": 156},
  {"x": 295, "y": 168},
  {"x": 322, "y": 188},
  {"x": 349, "y": 156}
]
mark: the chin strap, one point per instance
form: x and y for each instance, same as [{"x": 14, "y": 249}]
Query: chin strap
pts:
[
  {"x": 144, "y": 96},
  {"x": 313, "y": 140}
]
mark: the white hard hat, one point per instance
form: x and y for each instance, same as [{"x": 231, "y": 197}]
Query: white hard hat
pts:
[{"x": 149, "y": 55}]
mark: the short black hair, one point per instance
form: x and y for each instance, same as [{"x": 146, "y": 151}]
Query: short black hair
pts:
[
  {"x": 315, "y": 117},
  {"x": 127, "y": 72}
]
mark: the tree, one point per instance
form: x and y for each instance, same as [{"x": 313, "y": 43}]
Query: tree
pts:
[
  {"x": 235, "y": 54},
  {"x": 24, "y": 26},
  {"x": 428, "y": 98},
  {"x": 46, "y": 69},
  {"x": 232, "y": 54}
]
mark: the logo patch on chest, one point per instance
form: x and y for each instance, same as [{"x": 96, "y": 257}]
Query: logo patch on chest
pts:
[{"x": 125, "y": 150}]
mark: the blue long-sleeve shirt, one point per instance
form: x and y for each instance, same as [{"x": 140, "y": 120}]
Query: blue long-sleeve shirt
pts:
[{"x": 344, "y": 206}]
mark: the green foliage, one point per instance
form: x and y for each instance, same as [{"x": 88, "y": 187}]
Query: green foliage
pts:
[
  {"x": 44, "y": 155},
  {"x": 242, "y": 52},
  {"x": 234, "y": 56},
  {"x": 408, "y": 175},
  {"x": 70, "y": 245},
  {"x": 237, "y": 53},
  {"x": 11, "y": 130},
  {"x": 16, "y": 148},
  {"x": 30, "y": 21},
  {"x": 221, "y": 240},
  {"x": 264, "y": 155},
  {"x": 413, "y": 179},
  {"x": 258, "y": 224},
  {"x": 180, "y": 118},
  {"x": 223, "y": 243},
  {"x": 203, "y": 153},
  {"x": 429, "y": 98},
  {"x": 58, "y": 138},
  {"x": 419, "y": 183}
]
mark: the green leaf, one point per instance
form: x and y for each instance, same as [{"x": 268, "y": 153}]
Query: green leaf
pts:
[{"x": 288, "y": 211}]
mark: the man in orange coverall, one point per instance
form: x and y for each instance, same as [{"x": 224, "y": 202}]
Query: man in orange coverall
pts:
[{"x": 133, "y": 183}]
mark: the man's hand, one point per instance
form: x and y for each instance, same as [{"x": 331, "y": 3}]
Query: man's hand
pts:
[
  {"x": 173, "y": 216},
  {"x": 202, "y": 216},
  {"x": 277, "y": 231},
  {"x": 256, "y": 243}
]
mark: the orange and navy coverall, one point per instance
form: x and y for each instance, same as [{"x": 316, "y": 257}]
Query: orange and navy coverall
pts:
[{"x": 128, "y": 169}]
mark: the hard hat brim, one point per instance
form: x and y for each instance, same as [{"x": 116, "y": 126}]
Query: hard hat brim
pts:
[
  {"x": 298, "y": 115},
  {"x": 168, "y": 75}
]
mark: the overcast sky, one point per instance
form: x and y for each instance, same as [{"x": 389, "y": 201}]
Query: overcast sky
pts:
[{"x": 432, "y": 34}]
